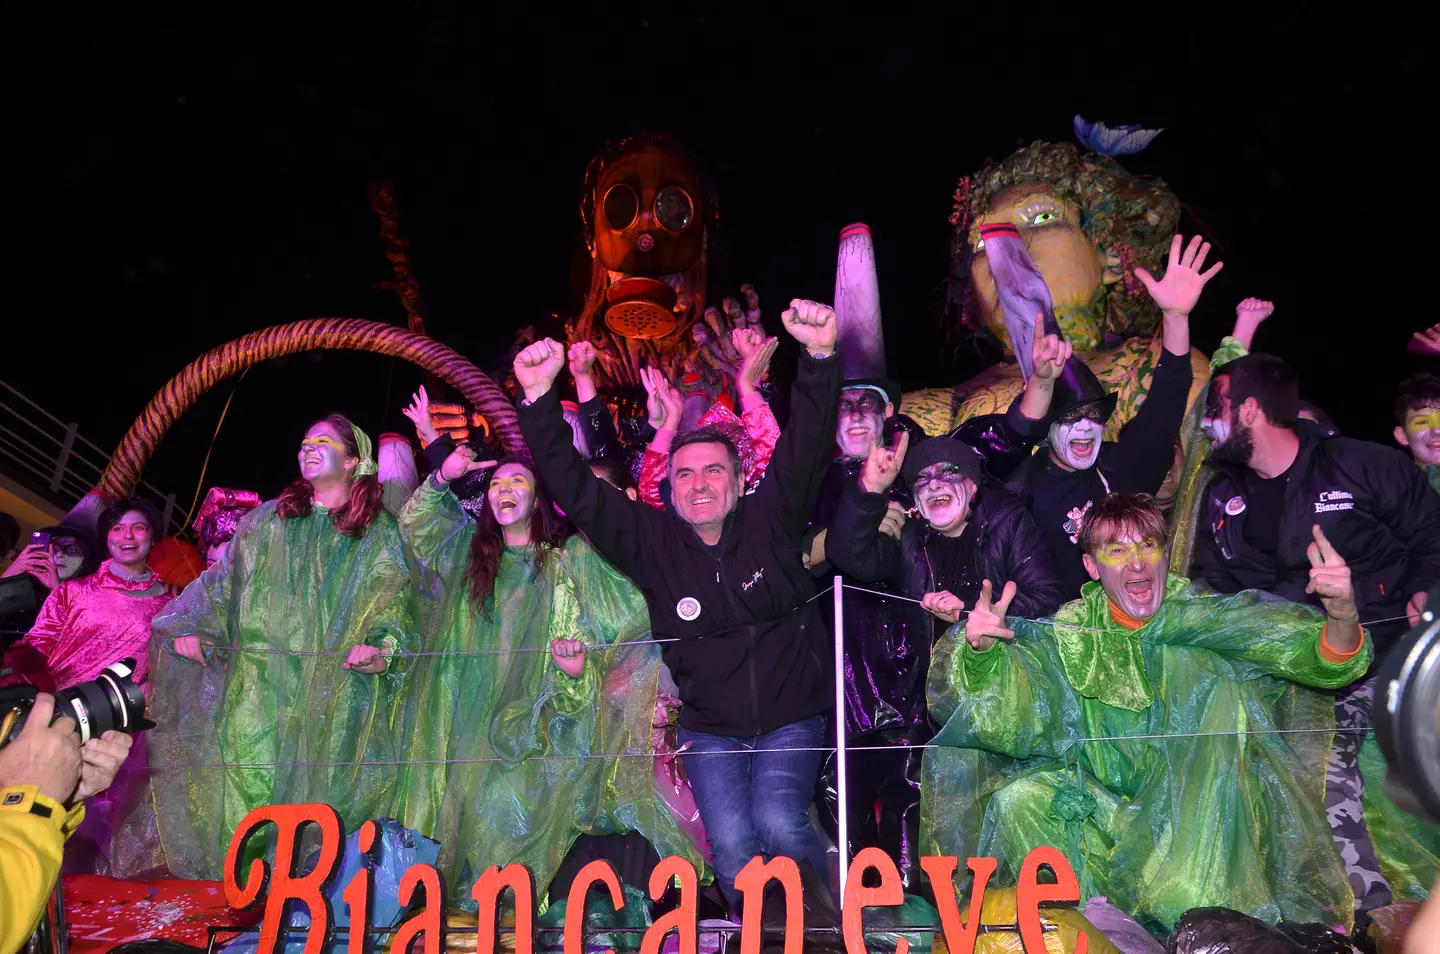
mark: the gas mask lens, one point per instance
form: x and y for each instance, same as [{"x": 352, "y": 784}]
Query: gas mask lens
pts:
[
  {"x": 621, "y": 206},
  {"x": 673, "y": 209}
]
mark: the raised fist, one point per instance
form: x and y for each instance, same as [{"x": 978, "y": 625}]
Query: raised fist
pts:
[
  {"x": 538, "y": 365},
  {"x": 813, "y": 325}
]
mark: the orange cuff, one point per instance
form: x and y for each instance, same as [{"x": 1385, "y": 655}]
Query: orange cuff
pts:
[{"x": 1333, "y": 655}]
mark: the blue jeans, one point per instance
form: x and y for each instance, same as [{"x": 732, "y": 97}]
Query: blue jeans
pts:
[{"x": 757, "y": 803}]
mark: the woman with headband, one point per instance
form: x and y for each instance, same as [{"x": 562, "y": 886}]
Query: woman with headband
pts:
[
  {"x": 279, "y": 663},
  {"x": 544, "y": 675}
]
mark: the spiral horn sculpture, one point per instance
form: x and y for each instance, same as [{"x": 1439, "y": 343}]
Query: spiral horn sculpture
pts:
[{"x": 316, "y": 334}]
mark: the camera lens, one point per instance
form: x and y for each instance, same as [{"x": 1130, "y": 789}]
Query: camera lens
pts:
[{"x": 1406, "y": 716}]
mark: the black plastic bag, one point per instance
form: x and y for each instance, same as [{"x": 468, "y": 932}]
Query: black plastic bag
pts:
[{"x": 1222, "y": 931}]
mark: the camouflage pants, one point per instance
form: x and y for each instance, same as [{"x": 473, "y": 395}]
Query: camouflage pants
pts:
[{"x": 1343, "y": 790}]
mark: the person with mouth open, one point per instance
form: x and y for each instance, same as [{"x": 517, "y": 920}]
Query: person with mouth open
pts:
[
  {"x": 1160, "y": 735},
  {"x": 86, "y": 624},
  {"x": 283, "y": 661},
  {"x": 723, "y": 580},
  {"x": 1417, "y": 424},
  {"x": 1068, "y": 408}
]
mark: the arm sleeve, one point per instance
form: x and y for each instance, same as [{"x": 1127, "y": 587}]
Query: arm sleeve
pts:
[
  {"x": 599, "y": 426},
  {"x": 437, "y": 450},
  {"x": 1039, "y": 590},
  {"x": 854, "y": 544},
  {"x": 1145, "y": 452},
  {"x": 1276, "y": 637},
  {"x": 204, "y": 609},
  {"x": 1412, "y": 513},
  {"x": 383, "y": 607},
  {"x": 437, "y": 531},
  {"x": 615, "y": 524},
  {"x": 801, "y": 456},
  {"x": 51, "y": 621},
  {"x": 1011, "y": 699},
  {"x": 764, "y": 431},
  {"x": 1027, "y": 432},
  {"x": 30, "y": 657},
  {"x": 653, "y": 467},
  {"x": 30, "y": 851}
]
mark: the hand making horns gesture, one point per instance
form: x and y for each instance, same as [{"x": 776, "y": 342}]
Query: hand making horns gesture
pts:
[
  {"x": 880, "y": 469},
  {"x": 987, "y": 620}
]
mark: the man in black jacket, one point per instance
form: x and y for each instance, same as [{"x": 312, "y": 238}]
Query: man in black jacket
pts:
[
  {"x": 1277, "y": 477},
  {"x": 1074, "y": 468},
  {"x": 721, "y": 575}
]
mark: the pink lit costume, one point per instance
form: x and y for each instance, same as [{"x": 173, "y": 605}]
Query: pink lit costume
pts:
[
  {"x": 753, "y": 433},
  {"x": 84, "y": 626}
]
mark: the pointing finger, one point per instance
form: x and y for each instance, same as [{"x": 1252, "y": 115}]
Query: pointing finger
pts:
[{"x": 1327, "y": 552}]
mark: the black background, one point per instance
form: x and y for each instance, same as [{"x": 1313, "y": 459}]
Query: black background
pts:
[{"x": 180, "y": 177}]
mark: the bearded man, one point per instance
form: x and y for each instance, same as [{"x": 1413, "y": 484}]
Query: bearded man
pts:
[
  {"x": 1159, "y": 734},
  {"x": 1075, "y": 467}
]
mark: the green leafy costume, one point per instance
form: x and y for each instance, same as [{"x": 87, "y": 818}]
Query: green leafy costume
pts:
[
  {"x": 511, "y": 758},
  {"x": 286, "y": 588},
  {"x": 1118, "y": 747}
]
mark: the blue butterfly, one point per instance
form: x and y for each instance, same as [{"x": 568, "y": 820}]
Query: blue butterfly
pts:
[{"x": 1113, "y": 141}]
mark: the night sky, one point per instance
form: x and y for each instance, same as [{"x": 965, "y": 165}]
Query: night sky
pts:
[{"x": 179, "y": 179}]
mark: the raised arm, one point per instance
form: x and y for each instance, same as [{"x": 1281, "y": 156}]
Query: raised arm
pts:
[
  {"x": 802, "y": 452},
  {"x": 855, "y": 545},
  {"x": 616, "y": 525}
]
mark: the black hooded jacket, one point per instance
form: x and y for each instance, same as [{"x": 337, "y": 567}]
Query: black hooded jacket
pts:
[
  {"x": 1010, "y": 547},
  {"x": 751, "y": 654},
  {"x": 1371, "y": 502}
]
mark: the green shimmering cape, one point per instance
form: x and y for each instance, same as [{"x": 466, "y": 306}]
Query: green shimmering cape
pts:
[
  {"x": 535, "y": 758},
  {"x": 285, "y": 588},
  {"x": 1159, "y": 825}
]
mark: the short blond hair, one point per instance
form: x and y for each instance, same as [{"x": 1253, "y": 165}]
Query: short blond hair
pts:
[{"x": 1114, "y": 514}]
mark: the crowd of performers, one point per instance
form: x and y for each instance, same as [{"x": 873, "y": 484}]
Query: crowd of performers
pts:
[{"x": 534, "y": 654}]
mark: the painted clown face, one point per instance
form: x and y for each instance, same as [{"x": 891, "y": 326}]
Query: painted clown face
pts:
[
  {"x": 1072, "y": 267},
  {"x": 1132, "y": 572},
  {"x": 322, "y": 455},
  {"x": 1421, "y": 434},
  {"x": 68, "y": 555},
  {"x": 943, "y": 495},
  {"x": 1075, "y": 437},
  {"x": 861, "y": 421},
  {"x": 512, "y": 495}
]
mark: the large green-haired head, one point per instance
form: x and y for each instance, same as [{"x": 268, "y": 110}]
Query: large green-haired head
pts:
[{"x": 1088, "y": 224}]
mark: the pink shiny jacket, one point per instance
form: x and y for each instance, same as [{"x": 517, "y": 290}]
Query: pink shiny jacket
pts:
[{"x": 84, "y": 626}]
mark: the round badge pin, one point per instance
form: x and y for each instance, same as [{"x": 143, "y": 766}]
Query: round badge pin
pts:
[
  {"x": 688, "y": 608},
  {"x": 1235, "y": 506}
]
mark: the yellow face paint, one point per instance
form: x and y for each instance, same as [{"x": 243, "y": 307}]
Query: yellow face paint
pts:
[
  {"x": 511, "y": 482},
  {"x": 1424, "y": 419},
  {"x": 1124, "y": 553},
  {"x": 322, "y": 441}
]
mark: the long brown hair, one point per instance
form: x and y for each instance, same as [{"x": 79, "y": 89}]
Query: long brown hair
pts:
[
  {"x": 359, "y": 511},
  {"x": 548, "y": 532}
]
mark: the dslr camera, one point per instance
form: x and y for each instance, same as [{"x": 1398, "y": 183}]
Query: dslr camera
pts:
[{"x": 112, "y": 701}]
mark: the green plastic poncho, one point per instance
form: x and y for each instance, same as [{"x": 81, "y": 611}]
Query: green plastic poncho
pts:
[
  {"x": 286, "y": 588},
  {"x": 513, "y": 759},
  {"x": 1047, "y": 740}
]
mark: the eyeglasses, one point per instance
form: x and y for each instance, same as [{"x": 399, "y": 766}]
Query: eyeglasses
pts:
[
  {"x": 864, "y": 404},
  {"x": 1085, "y": 412},
  {"x": 673, "y": 209}
]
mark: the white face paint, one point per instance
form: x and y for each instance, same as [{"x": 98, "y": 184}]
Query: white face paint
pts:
[
  {"x": 1217, "y": 429},
  {"x": 943, "y": 496},
  {"x": 1077, "y": 445}
]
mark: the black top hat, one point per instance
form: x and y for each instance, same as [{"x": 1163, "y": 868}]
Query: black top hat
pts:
[
  {"x": 1079, "y": 386},
  {"x": 888, "y": 388}
]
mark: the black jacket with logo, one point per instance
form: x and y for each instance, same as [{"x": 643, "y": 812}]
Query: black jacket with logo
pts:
[
  {"x": 756, "y": 657},
  {"x": 1373, "y": 505}
]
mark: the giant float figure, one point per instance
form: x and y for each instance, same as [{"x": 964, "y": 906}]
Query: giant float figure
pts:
[{"x": 1088, "y": 224}]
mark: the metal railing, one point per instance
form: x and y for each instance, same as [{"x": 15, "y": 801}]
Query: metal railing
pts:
[{"x": 54, "y": 458}]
